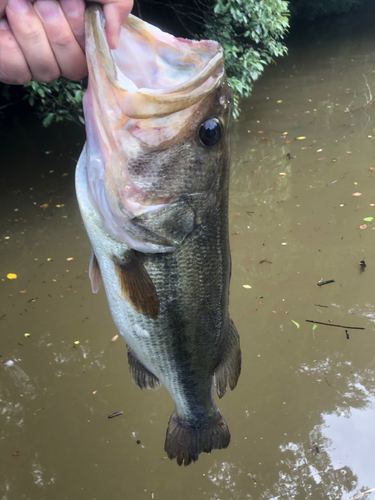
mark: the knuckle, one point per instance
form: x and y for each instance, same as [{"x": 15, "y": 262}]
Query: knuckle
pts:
[{"x": 49, "y": 77}]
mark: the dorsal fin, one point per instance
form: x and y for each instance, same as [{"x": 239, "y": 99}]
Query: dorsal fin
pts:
[
  {"x": 95, "y": 273},
  {"x": 136, "y": 285}
]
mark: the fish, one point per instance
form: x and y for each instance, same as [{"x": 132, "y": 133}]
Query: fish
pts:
[{"x": 152, "y": 187}]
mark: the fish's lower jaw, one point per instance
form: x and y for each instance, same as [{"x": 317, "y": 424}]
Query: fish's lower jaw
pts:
[{"x": 185, "y": 442}]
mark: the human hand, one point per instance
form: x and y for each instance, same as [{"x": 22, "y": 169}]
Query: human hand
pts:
[{"x": 43, "y": 39}]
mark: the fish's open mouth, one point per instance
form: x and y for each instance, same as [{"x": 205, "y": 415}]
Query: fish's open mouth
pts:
[{"x": 155, "y": 73}]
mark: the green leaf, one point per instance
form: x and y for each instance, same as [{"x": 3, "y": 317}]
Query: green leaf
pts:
[
  {"x": 314, "y": 327},
  {"x": 48, "y": 120},
  {"x": 368, "y": 219},
  {"x": 26, "y": 335},
  {"x": 295, "y": 322}
]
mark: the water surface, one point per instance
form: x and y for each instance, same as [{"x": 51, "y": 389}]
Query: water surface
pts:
[{"x": 293, "y": 222}]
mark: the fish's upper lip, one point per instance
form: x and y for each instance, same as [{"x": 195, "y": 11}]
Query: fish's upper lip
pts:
[{"x": 145, "y": 102}]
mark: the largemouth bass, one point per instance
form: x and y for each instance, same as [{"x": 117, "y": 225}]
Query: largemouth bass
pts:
[{"x": 152, "y": 186}]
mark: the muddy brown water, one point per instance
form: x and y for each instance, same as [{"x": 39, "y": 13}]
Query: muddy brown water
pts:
[{"x": 293, "y": 222}]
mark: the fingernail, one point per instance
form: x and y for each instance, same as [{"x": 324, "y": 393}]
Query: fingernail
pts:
[
  {"x": 19, "y": 6},
  {"x": 4, "y": 25},
  {"x": 71, "y": 8},
  {"x": 47, "y": 9}
]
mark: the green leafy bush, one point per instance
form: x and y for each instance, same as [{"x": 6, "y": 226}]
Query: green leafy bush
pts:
[
  {"x": 57, "y": 101},
  {"x": 251, "y": 32}
]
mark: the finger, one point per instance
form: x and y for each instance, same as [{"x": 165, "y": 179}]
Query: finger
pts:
[
  {"x": 115, "y": 11},
  {"x": 2, "y": 7},
  {"x": 13, "y": 65},
  {"x": 115, "y": 15},
  {"x": 28, "y": 30},
  {"x": 68, "y": 54},
  {"x": 74, "y": 11}
]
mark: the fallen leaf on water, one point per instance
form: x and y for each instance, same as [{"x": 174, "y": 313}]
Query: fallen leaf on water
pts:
[
  {"x": 279, "y": 101},
  {"x": 76, "y": 342},
  {"x": 258, "y": 355},
  {"x": 265, "y": 139},
  {"x": 246, "y": 286},
  {"x": 319, "y": 150},
  {"x": 70, "y": 258},
  {"x": 371, "y": 168},
  {"x": 26, "y": 335},
  {"x": 314, "y": 448},
  {"x": 357, "y": 194},
  {"x": 49, "y": 258},
  {"x": 94, "y": 392},
  {"x": 295, "y": 322},
  {"x": 113, "y": 339},
  {"x": 70, "y": 287},
  {"x": 285, "y": 133},
  {"x": 301, "y": 137},
  {"x": 335, "y": 159},
  {"x": 44, "y": 206},
  {"x": 60, "y": 206},
  {"x": 64, "y": 175},
  {"x": 252, "y": 476},
  {"x": 152, "y": 494},
  {"x": 11, "y": 276},
  {"x": 22, "y": 291},
  {"x": 314, "y": 327},
  {"x": 368, "y": 219},
  {"x": 363, "y": 226}
]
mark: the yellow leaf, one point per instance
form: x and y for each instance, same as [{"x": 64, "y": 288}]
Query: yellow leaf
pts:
[
  {"x": 76, "y": 342},
  {"x": 280, "y": 100},
  {"x": 246, "y": 286},
  {"x": 70, "y": 258},
  {"x": 285, "y": 133},
  {"x": 12, "y": 276},
  {"x": 301, "y": 137}
]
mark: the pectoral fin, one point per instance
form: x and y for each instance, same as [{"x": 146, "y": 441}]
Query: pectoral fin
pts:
[
  {"x": 95, "y": 273},
  {"x": 229, "y": 368},
  {"x": 136, "y": 285}
]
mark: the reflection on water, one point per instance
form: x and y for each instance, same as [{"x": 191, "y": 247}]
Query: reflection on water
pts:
[{"x": 293, "y": 221}]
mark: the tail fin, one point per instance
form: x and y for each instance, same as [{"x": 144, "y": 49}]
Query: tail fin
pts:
[{"x": 185, "y": 442}]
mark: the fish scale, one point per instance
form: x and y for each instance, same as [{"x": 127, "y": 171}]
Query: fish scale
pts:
[{"x": 152, "y": 187}]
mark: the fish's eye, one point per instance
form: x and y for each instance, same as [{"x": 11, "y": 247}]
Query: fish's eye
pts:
[{"x": 210, "y": 132}]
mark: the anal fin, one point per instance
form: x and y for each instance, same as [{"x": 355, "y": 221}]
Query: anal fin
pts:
[
  {"x": 142, "y": 377},
  {"x": 229, "y": 368},
  {"x": 136, "y": 285},
  {"x": 95, "y": 273}
]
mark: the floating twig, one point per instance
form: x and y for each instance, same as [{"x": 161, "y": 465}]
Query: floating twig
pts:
[
  {"x": 321, "y": 283},
  {"x": 362, "y": 265},
  {"x": 360, "y": 495},
  {"x": 332, "y": 182},
  {"x": 338, "y": 326},
  {"x": 347, "y": 334},
  {"x": 325, "y": 378},
  {"x": 115, "y": 414},
  {"x": 320, "y": 305}
]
